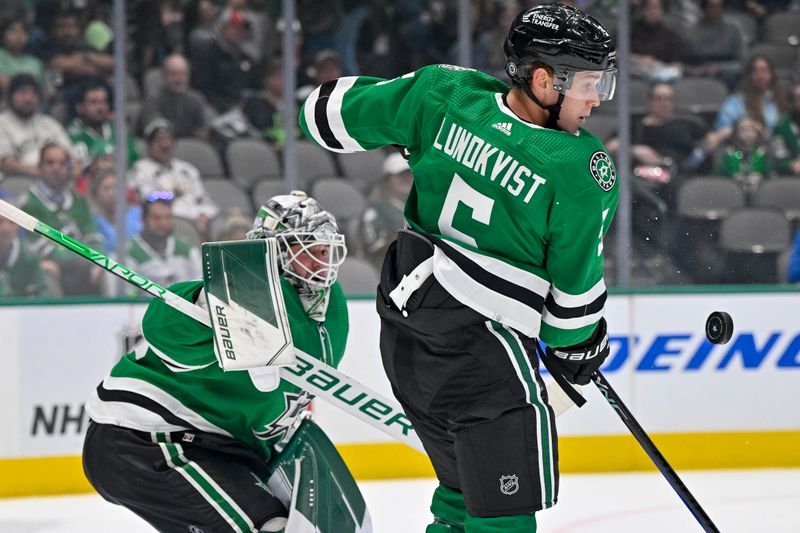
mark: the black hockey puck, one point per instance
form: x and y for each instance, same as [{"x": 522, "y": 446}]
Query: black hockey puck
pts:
[{"x": 719, "y": 327}]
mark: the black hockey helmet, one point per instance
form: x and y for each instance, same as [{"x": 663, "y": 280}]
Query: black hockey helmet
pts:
[{"x": 565, "y": 39}]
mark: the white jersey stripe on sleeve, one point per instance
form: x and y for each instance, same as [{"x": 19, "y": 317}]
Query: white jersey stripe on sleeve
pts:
[
  {"x": 578, "y": 300},
  {"x": 310, "y": 112},
  {"x": 335, "y": 120},
  {"x": 572, "y": 323}
]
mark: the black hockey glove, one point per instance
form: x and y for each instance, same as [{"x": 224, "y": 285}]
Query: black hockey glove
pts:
[{"x": 577, "y": 363}]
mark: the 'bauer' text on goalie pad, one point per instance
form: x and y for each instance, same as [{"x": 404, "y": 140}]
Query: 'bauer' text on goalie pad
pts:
[{"x": 245, "y": 301}]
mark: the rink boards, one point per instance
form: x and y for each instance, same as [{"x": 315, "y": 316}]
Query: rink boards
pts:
[{"x": 706, "y": 406}]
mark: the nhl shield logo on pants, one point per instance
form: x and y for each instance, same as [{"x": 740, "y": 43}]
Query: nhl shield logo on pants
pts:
[{"x": 509, "y": 484}]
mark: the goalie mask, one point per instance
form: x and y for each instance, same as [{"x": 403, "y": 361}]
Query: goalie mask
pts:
[{"x": 311, "y": 247}]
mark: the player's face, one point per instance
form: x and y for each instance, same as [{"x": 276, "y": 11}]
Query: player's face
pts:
[
  {"x": 310, "y": 262},
  {"x": 579, "y": 101}
]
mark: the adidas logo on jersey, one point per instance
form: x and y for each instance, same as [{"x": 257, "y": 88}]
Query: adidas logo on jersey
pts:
[{"x": 505, "y": 127}]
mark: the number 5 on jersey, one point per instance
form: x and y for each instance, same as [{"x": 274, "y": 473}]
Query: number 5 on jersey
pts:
[{"x": 461, "y": 192}]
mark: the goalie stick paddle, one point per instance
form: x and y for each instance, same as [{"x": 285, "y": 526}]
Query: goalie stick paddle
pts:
[
  {"x": 309, "y": 374},
  {"x": 655, "y": 455}
]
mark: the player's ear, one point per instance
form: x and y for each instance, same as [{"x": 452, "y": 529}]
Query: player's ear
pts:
[{"x": 540, "y": 79}]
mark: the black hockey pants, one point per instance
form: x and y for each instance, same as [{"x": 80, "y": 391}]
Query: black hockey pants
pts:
[{"x": 471, "y": 388}]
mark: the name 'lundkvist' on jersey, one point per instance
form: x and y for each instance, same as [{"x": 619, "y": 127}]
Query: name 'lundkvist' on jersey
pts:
[{"x": 518, "y": 212}]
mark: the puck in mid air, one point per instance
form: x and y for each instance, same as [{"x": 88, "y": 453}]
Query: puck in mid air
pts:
[{"x": 719, "y": 327}]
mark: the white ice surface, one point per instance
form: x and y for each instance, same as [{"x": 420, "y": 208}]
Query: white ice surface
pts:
[{"x": 738, "y": 501}]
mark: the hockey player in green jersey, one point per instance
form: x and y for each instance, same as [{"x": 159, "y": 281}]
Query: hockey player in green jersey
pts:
[
  {"x": 506, "y": 218},
  {"x": 185, "y": 445}
]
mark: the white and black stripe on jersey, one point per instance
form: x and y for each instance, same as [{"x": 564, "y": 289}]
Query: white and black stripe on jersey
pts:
[
  {"x": 136, "y": 404},
  {"x": 324, "y": 118},
  {"x": 572, "y": 311},
  {"x": 510, "y": 295}
]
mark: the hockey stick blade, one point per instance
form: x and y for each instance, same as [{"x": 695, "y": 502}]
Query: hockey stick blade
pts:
[
  {"x": 309, "y": 374},
  {"x": 652, "y": 451}
]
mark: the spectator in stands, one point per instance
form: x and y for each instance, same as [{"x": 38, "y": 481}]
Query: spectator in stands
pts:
[
  {"x": 793, "y": 273},
  {"x": 233, "y": 226},
  {"x": 760, "y": 9},
  {"x": 319, "y": 32},
  {"x": 24, "y": 130},
  {"x": 786, "y": 137},
  {"x": 200, "y": 17},
  {"x": 156, "y": 252},
  {"x": 661, "y": 133},
  {"x": 656, "y": 50},
  {"x": 263, "y": 109},
  {"x": 68, "y": 55},
  {"x": 20, "y": 273},
  {"x": 162, "y": 171},
  {"x": 92, "y": 131},
  {"x": 714, "y": 46},
  {"x": 52, "y": 200},
  {"x": 184, "y": 107},
  {"x": 424, "y": 33},
  {"x": 253, "y": 44},
  {"x": 222, "y": 70},
  {"x": 14, "y": 57},
  {"x": 327, "y": 66},
  {"x": 383, "y": 217},
  {"x": 760, "y": 97},
  {"x": 98, "y": 32},
  {"x": 103, "y": 199},
  {"x": 746, "y": 157},
  {"x": 666, "y": 138},
  {"x": 348, "y": 33},
  {"x": 171, "y": 27}
]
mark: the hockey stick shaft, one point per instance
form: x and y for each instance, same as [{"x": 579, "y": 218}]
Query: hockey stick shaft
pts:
[
  {"x": 652, "y": 451},
  {"x": 309, "y": 374}
]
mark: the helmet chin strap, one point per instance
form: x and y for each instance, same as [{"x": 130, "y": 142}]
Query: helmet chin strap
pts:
[{"x": 554, "y": 109}]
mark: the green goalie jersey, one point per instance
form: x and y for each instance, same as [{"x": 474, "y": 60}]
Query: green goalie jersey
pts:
[
  {"x": 171, "y": 381},
  {"x": 517, "y": 212}
]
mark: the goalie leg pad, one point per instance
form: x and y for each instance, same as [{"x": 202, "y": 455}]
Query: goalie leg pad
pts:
[{"x": 310, "y": 476}]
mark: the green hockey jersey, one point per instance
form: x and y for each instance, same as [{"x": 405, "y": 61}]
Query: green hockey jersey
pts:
[
  {"x": 171, "y": 381},
  {"x": 518, "y": 212}
]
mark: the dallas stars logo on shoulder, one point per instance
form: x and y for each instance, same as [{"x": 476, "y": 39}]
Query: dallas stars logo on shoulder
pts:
[
  {"x": 295, "y": 404},
  {"x": 602, "y": 169}
]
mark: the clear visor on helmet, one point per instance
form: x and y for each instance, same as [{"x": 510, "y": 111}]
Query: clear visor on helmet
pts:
[
  {"x": 587, "y": 84},
  {"x": 313, "y": 259}
]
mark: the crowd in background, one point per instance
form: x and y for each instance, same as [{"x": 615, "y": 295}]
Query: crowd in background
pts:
[{"x": 211, "y": 73}]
